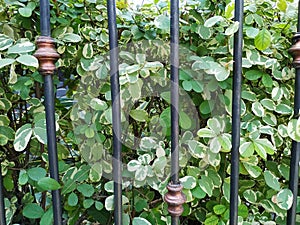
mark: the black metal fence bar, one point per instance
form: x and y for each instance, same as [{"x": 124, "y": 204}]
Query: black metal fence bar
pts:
[
  {"x": 236, "y": 112},
  {"x": 174, "y": 197},
  {"x": 2, "y": 207},
  {"x": 47, "y": 56},
  {"x": 295, "y": 153},
  {"x": 116, "y": 111}
]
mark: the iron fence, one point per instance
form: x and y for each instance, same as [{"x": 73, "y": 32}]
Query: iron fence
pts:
[{"x": 47, "y": 57}]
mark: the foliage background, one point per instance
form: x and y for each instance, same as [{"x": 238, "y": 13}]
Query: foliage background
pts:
[{"x": 83, "y": 108}]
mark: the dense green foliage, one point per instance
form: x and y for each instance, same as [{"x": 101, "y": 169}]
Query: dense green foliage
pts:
[{"x": 84, "y": 131}]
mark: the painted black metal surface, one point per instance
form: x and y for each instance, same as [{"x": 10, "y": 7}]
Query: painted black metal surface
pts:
[
  {"x": 50, "y": 116},
  {"x": 116, "y": 111},
  {"x": 295, "y": 153},
  {"x": 2, "y": 207},
  {"x": 236, "y": 113}
]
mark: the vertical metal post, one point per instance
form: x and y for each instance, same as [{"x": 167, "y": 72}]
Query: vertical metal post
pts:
[
  {"x": 47, "y": 57},
  {"x": 116, "y": 110},
  {"x": 2, "y": 207},
  {"x": 295, "y": 153},
  {"x": 175, "y": 197},
  {"x": 236, "y": 112}
]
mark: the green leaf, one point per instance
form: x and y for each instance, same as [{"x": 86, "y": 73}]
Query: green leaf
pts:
[
  {"x": 219, "y": 209},
  {"x": 212, "y": 220},
  {"x": 47, "y": 183},
  {"x": 33, "y": 211},
  {"x": 198, "y": 192},
  {"x": 284, "y": 199},
  {"x": 87, "y": 203},
  {"x": 252, "y": 32},
  {"x": 22, "y": 138},
  {"x": 6, "y": 62},
  {"x": 253, "y": 74},
  {"x": 271, "y": 180},
  {"x": 213, "y": 20},
  {"x": 140, "y": 221},
  {"x": 86, "y": 190},
  {"x": 72, "y": 199},
  {"x": 99, "y": 205},
  {"x": 23, "y": 177},
  {"x": 47, "y": 218},
  {"x": 139, "y": 115},
  {"x": 263, "y": 40},
  {"x": 20, "y": 48},
  {"x": 36, "y": 173},
  {"x": 28, "y": 60}
]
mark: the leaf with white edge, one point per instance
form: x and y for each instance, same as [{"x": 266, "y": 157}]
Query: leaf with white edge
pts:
[
  {"x": 263, "y": 40},
  {"x": 98, "y": 104},
  {"x": 133, "y": 165},
  {"x": 33, "y": 211},
  {"x": 140, "y": 221},
  {"x": 40, "y": 131},
  {"x": 141, "y": 173},
  {"x": 246, "y": 149},
  {"x": 6, "y": 62},
  {"x": 213, "y": 20},
  {"x": 267, "y": 145},
  {"x": 271, "y": 180},
  {"x": 204, "y": 32},
  {"x": 258, "y": 109},
  {"x": 5, "y": 42},
  {"x": 47, "y": 183},
  {"x": 232, "y": 28},
  {"x": 206, "y": 185},
  {"x": 20, "y": 48},
  {"x": 197, "y": 149},
  {"x": 215, "y": 145},
  {"x": 25, "y": 11},
  {"x": 148, "y": 143},
  {"x": 220, "y": 72},
  {"x": 28, "y": 60},
  {"x": 260, "y": 150},
  {"x": 252, "y": 32},
  {"x": 87, "y": 51},
  {"x": 70, "y": 37},
  {"x": 206, "y": 133},
  {"x": 254, "y": 171},
  {"x": 250, "y": 196},
  {"x": 109, "y": 202},
  {"x": 188, "y": 182},
  {"x": 22, "y": 138},
  {"x": 284, "y": 199},
  {"x": 293, "y": 130}
]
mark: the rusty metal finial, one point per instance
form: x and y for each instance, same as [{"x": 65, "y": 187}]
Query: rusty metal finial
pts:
[
  {"x": 46, "y": 54},
  {"x": 175, "y": 199},
  {"x": 295, "y": 50}
]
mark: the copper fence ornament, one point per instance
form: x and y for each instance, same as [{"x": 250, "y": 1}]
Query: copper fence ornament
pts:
[
  {"x": 175, "y": 199},
  {"x": 46, "y": 54}
]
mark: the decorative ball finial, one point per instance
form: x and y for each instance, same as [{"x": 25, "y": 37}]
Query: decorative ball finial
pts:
[
  {"x": 175, "y": 199},
  {"x": 295, "y": 50},
  {"x": 46, "y": 54}
]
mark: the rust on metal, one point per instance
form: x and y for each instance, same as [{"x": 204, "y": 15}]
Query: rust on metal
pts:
[
  {"x": 46, "y": 54},
  {"x": 175, "y": 199},
  {"x": 295, "y": 50}
]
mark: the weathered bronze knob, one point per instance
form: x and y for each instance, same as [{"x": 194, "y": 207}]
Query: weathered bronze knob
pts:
[
  {"x": 175, "y": 199},
  {"x": 46, "y": 54},
  {"x": 295, "y": 50}
]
